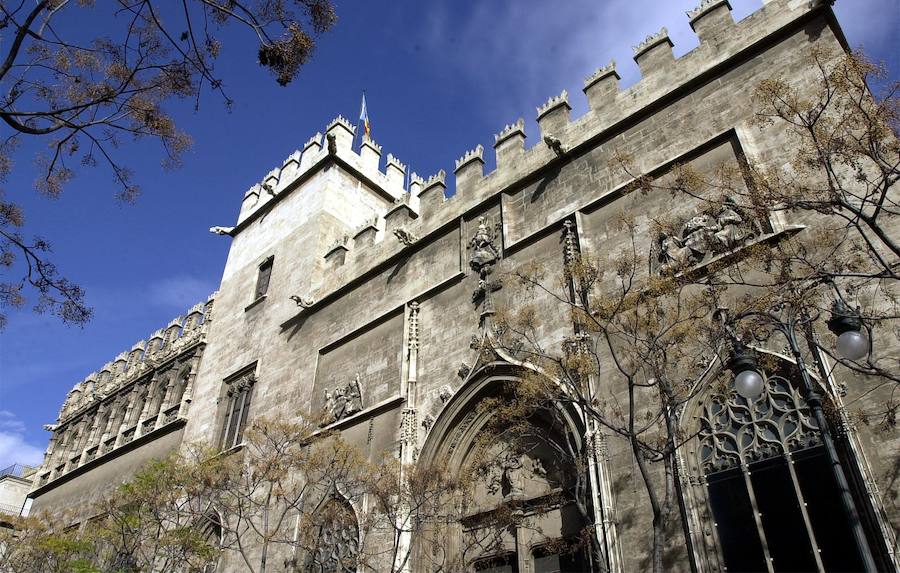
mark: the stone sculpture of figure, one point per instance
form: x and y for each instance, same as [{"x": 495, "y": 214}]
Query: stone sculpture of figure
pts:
[
  {"x": 511, "y": 475},
  {"x": 328, "y": 408},
  {"x": 340, "y": 404},
  {"x": 354, "y": 397},
  {"x": 484, "y": 252},
  {"x": 673, "y": 255},
  {"x": 538, "y": 469},
  {"x": 729, "y": 221},
  {"x": 697, "y": 235}
]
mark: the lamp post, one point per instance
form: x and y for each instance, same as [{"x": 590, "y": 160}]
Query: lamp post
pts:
[{"x": 786, "y": 319}]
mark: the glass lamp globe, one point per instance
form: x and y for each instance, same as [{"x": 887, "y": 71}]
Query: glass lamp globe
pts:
[
  {"x": 749, "y": 384},
  {"x": 853, "y": 345}
]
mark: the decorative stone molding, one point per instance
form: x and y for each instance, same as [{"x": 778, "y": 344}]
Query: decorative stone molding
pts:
[
  {"x": 409, "y": 434},
  {"x": 509, "y": 131},
  {"x": 314, "y": 141},
  {"x": 413, "y": 342},
  {"x": 439, "y": 178},
  {"x": 470, "y": 156},
  {"x": 433, "y": 190},
  {"x": 370, "y": 143},
  {"x": 396, "y": 163},
  {"x": 339, "y": 243},
  {"x": 341, "y": 121},
  {"x": 704, "y": 7},
  {"x": 562, "y": 100},
  {"x": 130, "y": 365},
  {"x": 571, "y": 251}
]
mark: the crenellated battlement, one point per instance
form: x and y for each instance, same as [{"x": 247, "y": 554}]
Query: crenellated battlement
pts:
[
  {"x": 651, "y": 41},
  {"x": 420, "y": 205},
  {"x": 181, "y": 333},
  {"x": 706, "y": 6}
]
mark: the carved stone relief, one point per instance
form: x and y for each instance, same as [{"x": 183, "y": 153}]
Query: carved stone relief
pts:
[
  {"x": 719, "y": 229},
  {"x": 342, "y": 402},
  {"x": 485, "y": 253},
  {"x": 510, "y": 472}
]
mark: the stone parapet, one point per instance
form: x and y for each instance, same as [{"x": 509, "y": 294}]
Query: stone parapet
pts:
[{"x": 609, "y": 106}]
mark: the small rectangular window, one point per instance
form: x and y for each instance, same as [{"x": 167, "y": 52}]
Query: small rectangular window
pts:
[{"x": 262, "y": 279}]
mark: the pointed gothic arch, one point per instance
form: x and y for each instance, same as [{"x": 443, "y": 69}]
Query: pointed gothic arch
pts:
[
  {"x": 525, "y": 492},
  {"x": 210, "y": 528}
]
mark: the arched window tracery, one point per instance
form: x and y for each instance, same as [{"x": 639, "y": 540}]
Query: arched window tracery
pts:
[
  {"x": 336, "y": 543},
  {"x": 771, "y": 503}
]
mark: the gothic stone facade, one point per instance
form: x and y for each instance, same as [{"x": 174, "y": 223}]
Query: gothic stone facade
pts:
[{"x": 346, "y": 291}]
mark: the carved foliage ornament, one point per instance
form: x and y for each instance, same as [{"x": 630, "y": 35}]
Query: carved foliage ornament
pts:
[
  {"x": 719, "y": 229},
  {"x": 342, "y": 402}
]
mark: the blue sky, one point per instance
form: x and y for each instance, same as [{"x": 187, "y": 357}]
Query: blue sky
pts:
[{"x": 440, "y": 77}]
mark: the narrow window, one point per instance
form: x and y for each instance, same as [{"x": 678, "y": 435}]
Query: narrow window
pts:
[
  {"x": 262, "y": 279},
  {"x": 238, "y": 394}
]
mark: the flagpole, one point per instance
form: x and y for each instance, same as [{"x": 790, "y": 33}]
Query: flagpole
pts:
[{"x": 362, "y": 108}]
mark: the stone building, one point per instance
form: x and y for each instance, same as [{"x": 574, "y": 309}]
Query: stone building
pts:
[
  {"x": 349, "y": 291},
  {"x": 15, "y": 483}
]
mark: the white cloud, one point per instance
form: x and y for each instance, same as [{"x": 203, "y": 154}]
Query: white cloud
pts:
[
  {"x": 520, "y": 52},
  {"x": 526, "y": 50},
  {"x": 13, "y": 447}
]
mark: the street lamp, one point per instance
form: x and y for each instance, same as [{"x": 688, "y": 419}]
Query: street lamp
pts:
[
  {"x": 846, "y": 324},
  {"x": 748, "y": 382}
]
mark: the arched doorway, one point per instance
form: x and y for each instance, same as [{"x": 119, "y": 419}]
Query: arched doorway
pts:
[{"x": 521, "y": 513}]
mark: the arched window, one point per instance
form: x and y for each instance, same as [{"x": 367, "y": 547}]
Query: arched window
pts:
[
  {"x": 774, "y": 503},
  {"x": 210, "y": 528},
  {"x": 335, "y": 545}
]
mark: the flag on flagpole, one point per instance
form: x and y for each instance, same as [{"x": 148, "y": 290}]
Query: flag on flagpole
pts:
[{"x": 364, "y": 117}]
